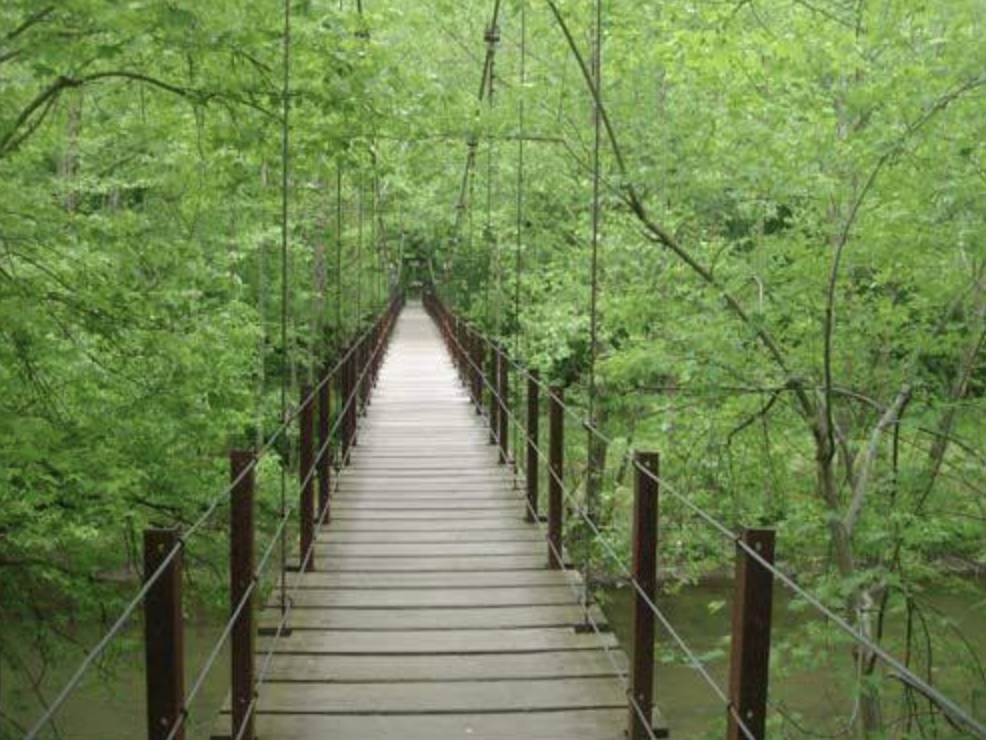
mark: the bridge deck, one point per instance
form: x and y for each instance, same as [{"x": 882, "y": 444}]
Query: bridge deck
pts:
[{"x": 432, "y": 614}]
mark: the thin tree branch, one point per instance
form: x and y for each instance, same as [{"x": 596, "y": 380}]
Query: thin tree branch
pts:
[
  {"x": 868, "y": 459},
  {"x": 660, "y": 235}
]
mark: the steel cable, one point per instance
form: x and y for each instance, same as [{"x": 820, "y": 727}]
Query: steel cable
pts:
[
  {"x": 948, "y": 706},
  {"x": 269, "y": 656},
  {"x": 150, "y": 580},
  {"x": 265, "y": 559},
  {"x": 611, "y": 551}
]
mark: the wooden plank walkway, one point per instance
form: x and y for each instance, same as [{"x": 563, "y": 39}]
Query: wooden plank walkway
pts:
[{"x": 432, "y": 614}]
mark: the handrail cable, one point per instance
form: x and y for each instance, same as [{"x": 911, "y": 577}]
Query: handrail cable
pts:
[
  {"x": 519, "y": 227},
  {"x": 696, "y": 663},
  {"x": 946, "y": 704},
  {"x": 593, "y": 481},
  {"x": 265, "y": 559},
  {"x": 100, "y": 647},
  {"x": 619, "y": 671},
  {"x": 268, "y": 658},
  {"x": 285, "y": 246}
]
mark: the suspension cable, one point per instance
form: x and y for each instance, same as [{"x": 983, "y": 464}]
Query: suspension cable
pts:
[
  {"x": 569, "y": 498},
  {"x": 359, "y": 247},
  {"x": 199, "y": 681},
  {"x": 472, "y": 143},
  {"x": 285, "y": 203},
  {"x": 339, "y": 328},
  {"x": 518, "y": 255},
  {"x": 594, "y": 481},
  {"x": 279, "y": 630},
  {"x": 186, "y": 535},
  {"x": 905, "y": 674}
]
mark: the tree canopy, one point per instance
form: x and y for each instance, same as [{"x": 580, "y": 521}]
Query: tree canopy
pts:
[{"x": 786, "y": 297}]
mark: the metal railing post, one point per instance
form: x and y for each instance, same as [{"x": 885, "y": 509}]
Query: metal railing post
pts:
[
  {"x": 325, "y": 461},
  {"x": 478, "y": 359},
  {"x": 492, "y": 373},
  {"x": 556, "y": 451},
  {"x": 355, "y": 364},
  {"x": 164, "y": 639},
  {"x": 460, "y": 335},
  {"x": 645, "y": 524},
  {"x": 533, "y": 421},
  {"x": 371, "y": 366},
  {"x": 454, "y": 345},
  {"x": 241, "y": 575},
  {"x": 503, "y": 393},
  {"x": 749, "y": 660},
  {"x": 305, "y": 471},
  {"x": 360, "y": 378},
  {"x": 344, "y": 390}
]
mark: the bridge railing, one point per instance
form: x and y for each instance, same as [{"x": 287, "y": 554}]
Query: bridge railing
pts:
[
  {"x": 484, "y": 367},
  {"x": 160, "y": 595}
]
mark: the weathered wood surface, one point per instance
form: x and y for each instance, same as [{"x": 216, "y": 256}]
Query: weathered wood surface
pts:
[{"x": 431, "y": 614}]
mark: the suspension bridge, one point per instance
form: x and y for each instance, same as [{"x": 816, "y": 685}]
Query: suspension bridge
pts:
[{"x": 430, "y": 593}]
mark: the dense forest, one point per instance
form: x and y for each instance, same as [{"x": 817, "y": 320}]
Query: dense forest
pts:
[{"x": 746, "y": 234}]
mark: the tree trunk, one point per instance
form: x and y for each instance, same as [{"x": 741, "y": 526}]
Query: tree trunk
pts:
[{"x": 68, "y": 167}]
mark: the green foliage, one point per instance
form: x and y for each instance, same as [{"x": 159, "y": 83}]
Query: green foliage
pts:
[{"x": 803, "y": 160}]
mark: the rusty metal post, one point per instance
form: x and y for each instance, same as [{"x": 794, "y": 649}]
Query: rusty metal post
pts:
[
  {"x": 360, "y": 377},
  {"x": 356, "y": 388},
  {"x": 466, "y": 350},
  {"x": 492, "y": 373},
  {"x": 306, "y": 472},
  {"x": 352, "y": 370},
  {"x": 345, "y": 384},
  {"x": 477, "y": 366},
  {"x": 556, "y": 451},
  {"x": 371, "y": 367},
  {"x": 469, "y": 357},
  {"x": 367, "y": 360},
  {"x": 454, "y": 345},
  {"x": 241, "y": 573},
  {"x": 477, "y": 371},
  {"x": 480, "y": 364},
  {"x": 645, "y": 523},
  {"x": 164, "y": 638},
  {"x": 465, "y": 373},
  {"x": 325, "y": 461},
  {"x": 380, "y": 343},
  {"x": 503, "y": 417},
  {"x": 749, "y": 660},
  {"x": 533, "y": 421}
]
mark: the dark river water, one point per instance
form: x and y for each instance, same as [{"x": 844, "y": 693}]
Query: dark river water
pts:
[{"x": 816, "y": 692}]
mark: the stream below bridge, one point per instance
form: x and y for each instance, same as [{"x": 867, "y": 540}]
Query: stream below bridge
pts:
[{"x": 817, "y": 694}]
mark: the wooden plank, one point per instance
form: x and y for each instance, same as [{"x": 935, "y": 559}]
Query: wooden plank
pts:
[
  {"x": 437, "y": 598},
  {"x": 591, "y": 724},
  {"x": 431, "y": 614},
  {"x": 395, "y": 477},
  {"x": 448, "y": 697},
  {"x": 429, "y": 668},
  {"x": 515, "y": 513},
  {"x": 479, "y": 618},
  {"x": 506, "y": 562},
  {"x": 344, "y": 506},
  {"x": 525, "y": 534},
  {"x": 413, "y": 498},
  {"x": 449, "y": 642},
  {"x": 478, "y": 547},
  {"x": 371, "y": 524},
  {"x": 443, "y": 579},
  {"x": 426, "y": 549},
  {"x": 431, "y": 488}
]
